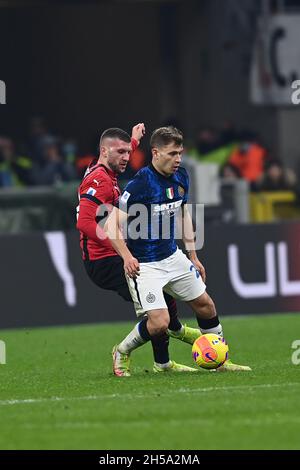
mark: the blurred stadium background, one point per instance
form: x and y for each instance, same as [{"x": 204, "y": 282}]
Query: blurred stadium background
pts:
[
  {"x": 221, "y": 71},
  {"x": 225, "y": 72}
]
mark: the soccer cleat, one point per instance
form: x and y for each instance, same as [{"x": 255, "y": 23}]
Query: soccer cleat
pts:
[
  {"x": 121, "y": 363},
  {"x": 189, "y": 335},
  {"x": 231, "y": 367},
  {"x": 174, "y": 367}
]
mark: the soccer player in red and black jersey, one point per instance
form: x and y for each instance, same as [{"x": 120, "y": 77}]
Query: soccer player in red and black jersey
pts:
[{"x": 99, "y": 188}]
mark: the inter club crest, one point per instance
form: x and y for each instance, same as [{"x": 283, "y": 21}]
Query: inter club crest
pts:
[
  {"x": 170, "y": 193},
  {"x": 150, "y": 298}
]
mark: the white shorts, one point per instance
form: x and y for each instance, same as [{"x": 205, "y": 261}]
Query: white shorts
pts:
[{"x": 175, "y": 275}]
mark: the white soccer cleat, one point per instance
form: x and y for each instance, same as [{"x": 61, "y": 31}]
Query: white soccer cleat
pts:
[{"x": 121, "y": 363}]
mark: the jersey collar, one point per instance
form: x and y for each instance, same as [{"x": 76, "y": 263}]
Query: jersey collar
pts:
[
  {"x": 93, "y": 166},
  {"x": 159, "y": 174}
]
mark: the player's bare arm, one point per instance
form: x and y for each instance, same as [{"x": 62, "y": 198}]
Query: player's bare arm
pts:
[
  {"x": 113, "y": 230},
  {"x": 188, "y": 239},
  {"x": 138, "y": 131}
]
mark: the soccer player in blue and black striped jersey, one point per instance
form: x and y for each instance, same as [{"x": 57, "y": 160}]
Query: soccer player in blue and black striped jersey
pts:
[{"x": 153, "y": 262}]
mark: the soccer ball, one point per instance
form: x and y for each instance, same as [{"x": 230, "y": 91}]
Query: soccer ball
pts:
[{"x": 210, "y": 351}]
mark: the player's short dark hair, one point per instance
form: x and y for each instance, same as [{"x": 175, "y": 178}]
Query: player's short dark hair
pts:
[
  {"x": 165, "y": 136},
  {"x": 115, "y": 133}
]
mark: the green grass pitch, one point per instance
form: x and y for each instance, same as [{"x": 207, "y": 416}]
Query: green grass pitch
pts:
[{"x": 58, "y": 392}]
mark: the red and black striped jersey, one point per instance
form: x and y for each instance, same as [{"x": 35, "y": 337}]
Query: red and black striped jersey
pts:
[{"x": 98, "y": 192}]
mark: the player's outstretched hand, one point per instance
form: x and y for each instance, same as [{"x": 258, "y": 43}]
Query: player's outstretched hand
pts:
[
  {"x": 138, "y": 131},
  {"x": 131, "y": 267}
]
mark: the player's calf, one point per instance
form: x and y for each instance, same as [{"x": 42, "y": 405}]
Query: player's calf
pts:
[{"x": 206, "y": 314}]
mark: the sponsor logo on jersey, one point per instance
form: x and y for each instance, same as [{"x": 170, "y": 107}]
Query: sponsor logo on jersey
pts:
[
  {"x": 170, "y": 193},
  {"x": 91, "y": 191},
  {"x": 125, "y": 197},
  {"x": 167, "y": 207},
  {"x": 150, "y": 298}
]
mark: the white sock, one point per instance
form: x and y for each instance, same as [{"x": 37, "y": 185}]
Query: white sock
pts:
[
  {"x": 217, "y": 330},
  {"x": 163, "y": 366},
  {"x": 131, "y": 342}
]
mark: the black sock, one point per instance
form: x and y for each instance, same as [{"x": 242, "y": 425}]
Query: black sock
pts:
[
  {"x": 210, "y": 323},
  {"x": 160, "y": 343},
  {"x": 175, "y": 324},
  {"x": 160, "y": 346}
]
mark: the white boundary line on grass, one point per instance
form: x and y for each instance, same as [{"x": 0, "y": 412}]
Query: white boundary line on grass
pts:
[{"x": 153, "y": 394}]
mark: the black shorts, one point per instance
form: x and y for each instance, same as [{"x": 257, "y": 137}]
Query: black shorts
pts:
[{"x": 108, "y": 273}]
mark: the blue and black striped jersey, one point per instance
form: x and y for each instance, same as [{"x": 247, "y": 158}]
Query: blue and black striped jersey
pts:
[{"x": 152, "y": 201}]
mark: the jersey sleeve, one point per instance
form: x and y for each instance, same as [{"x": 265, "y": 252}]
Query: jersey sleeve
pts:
[
  {"x": 133, "y": 194},
  {"x": 86, "y": 221},
  {"x": 96, "y": 191},
  {"x": 134, "y": 144},
  {"x": 94, "y": 204},
  {"x": 186, "y": 185}
]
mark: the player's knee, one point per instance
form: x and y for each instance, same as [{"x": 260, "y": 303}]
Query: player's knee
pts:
[
  {"x": 158, "y": 324},
  {"x": 164, "y": 325},
  {"x": 158, "y": 331},
  {"x": 159, "y": 328}
]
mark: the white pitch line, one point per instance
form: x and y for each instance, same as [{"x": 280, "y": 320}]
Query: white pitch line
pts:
[
  {"x": 127, "y": 396},
  {"x": 235, "y": 421}
]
